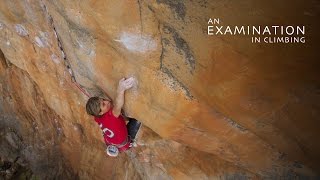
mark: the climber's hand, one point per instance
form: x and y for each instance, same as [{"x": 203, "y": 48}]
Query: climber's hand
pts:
[{"x": 125, "y": 84}]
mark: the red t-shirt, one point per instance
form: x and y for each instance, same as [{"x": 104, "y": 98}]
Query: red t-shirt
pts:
[{"x": 114, "y": 129}]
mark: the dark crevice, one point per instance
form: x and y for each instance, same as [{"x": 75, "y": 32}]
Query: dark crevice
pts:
[
  {"x": 34, "y": 49},
  {"x": 14, "y": 170},
  {"x": 177, "y": 7},
  {"x": 140, "y": 12},
  {"x": 3, "y": 60},
  {"x": 166, "y": 70},
  {"x": 51, "y": 23},
  {"x": 162, "y": 47},
  {"x": 235, "y": 124},
  {"x": 195, "y": 129},
  {"x": 150, "y": 8},
  {"x": 64, "y": 55},
  {"x": 29, "y": 143},
  {"x": 180, "y": 84},
  {"x": 182, "y": 47}
]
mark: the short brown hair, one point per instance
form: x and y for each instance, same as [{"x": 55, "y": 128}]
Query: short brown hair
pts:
[{"x": 93, "y": 106}]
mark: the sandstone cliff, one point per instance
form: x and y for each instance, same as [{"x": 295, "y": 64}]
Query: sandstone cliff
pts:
[{"x": 212, "y": 107}]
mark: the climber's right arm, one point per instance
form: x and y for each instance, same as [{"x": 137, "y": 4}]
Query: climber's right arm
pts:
[{"x": 124, "y": 84}]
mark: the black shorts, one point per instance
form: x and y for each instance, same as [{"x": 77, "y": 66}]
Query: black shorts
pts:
[{"x": 133, "y": 127}]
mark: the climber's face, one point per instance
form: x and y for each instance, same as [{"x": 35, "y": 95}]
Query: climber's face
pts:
[{"x": 105, "y": 106}]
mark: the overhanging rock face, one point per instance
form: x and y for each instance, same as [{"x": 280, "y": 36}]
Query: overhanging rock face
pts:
[{"x": 212, "y": 106}]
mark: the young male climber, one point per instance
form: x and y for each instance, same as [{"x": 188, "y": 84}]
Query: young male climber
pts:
[{"x": 117, "y": 135}]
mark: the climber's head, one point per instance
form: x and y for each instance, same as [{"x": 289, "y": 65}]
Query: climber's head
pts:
[{"x": 97, "y": 106}]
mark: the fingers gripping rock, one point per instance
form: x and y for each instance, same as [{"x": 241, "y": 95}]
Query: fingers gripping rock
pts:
[{"x": 125, "y": 84}]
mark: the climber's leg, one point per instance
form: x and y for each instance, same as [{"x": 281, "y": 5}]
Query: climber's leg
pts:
[{"x": 133, "y": 127}]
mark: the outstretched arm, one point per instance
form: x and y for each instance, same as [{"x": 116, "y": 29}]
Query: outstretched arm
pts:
[{"x": 124, "y": 84}]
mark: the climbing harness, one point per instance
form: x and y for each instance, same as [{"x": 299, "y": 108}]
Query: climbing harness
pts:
[
  {"x": 114, "y": 149},
  {"x": 126, "y": 144}
]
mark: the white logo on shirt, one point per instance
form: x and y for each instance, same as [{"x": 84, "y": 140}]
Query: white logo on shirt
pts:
[{"x": 111, "y": 134}]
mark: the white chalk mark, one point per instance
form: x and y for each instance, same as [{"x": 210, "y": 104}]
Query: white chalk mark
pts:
[
  {"x": 137, "y": 43},
  {"x": 55, "y": 34},
  {"x": 1, "y": 26},
  {"x": 55, "y": 58},
  {"x": 42, "y": 40},
  {"x": 92, "y": 53},
  {"x": 44, "y": 37},
  {"x": 8, "y": 43},
  {"x": 135, "y": 82},
  {"x": 63, "y": 55},
  {"x": 86, "y": 50},
  {"x": 21, "y": 30},
  {"x": 43, "y": 67},
  {"x": 39, "y": 42}
]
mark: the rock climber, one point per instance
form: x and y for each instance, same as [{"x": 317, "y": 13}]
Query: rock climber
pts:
[{"x": 118, "y": 135}]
